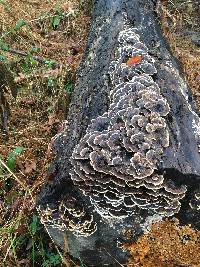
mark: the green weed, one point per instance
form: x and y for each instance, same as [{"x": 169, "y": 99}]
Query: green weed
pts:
[{"x": 11, "y": 161}]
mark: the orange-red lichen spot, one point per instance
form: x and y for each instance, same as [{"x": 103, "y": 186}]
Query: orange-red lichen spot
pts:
[{"x": 134, "y": 60}]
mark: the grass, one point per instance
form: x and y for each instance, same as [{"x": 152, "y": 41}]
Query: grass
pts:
[{"x": 41, "y": 45}]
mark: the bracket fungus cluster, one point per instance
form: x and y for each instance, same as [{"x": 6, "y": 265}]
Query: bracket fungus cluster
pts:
[
  {"x": 116, "y": 162},
  {"x": 129, "y": 156},
  {"x": 68, "y": 215}
]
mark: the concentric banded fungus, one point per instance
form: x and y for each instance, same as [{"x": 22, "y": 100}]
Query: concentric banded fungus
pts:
[
  {"x": 114, "y": 163},
  {"x": 67, "y": 215}
]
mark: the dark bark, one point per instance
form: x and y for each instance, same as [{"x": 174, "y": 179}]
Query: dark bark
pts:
[{"x": 181, "y": 160}]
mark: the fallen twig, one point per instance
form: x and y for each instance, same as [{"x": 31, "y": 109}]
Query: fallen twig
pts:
[{"x": 37, "y": 58}]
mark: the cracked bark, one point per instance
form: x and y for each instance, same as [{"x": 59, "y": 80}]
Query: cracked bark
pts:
[{"x": 181, "y": 161}]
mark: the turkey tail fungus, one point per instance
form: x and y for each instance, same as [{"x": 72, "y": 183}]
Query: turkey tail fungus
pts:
[{"x": 129, "y": 154}]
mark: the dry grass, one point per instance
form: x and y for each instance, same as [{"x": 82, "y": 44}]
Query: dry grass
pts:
[
  {"x": 178, "y": 18},
  {"x": 54, "y": 42},
  {"x": 58, "y": 29}
]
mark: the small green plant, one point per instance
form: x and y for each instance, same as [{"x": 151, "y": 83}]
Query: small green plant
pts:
[
  {"x": 11, "y": 161},
  {"x": 32, "y": 230},
  {"x": 57, "y": 18},
  {"x": 20, "y": 23},
  {"x": 28, "y": 63},
  {"x": 37, "y": 244},
  {"x": 4, "y": 46},
  {"x": 68, "y": 87},
  {"x": 32, "y": 245},
  {"x": 53, "y": 259},
  {"x": 56, "y": 21},
  {"x": 3, "y": 58}
]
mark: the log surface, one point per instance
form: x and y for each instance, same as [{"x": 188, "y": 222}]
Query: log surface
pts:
[{"x": 181, "y": 160}]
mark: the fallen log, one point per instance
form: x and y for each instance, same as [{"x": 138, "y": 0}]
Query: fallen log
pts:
[{"x": 129, "y": 151}]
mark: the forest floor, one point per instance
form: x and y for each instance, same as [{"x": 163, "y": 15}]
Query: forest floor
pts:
[
  {"x": 41, "y": 45},
  {"x": 56, "y": 32},
  {"x": 180, "y": 21}
]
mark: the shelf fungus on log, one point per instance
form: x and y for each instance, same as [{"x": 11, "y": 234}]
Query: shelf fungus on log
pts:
[
  {"x": 123, "y": 147},
  {"x": 69, "y": 216},
  {"x": 130, "y": 150}
]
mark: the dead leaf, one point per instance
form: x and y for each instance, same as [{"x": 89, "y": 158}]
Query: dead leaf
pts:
[
  {"x": 198, "y": 78},
  {"x": 134, "y": 60},
  {"x": 53, "y": 119},
  {"x": 21, "y": 77},
  {"x": 24, "y": 261},
  {"x": 16, "y": 205},
  {"x": 30, "y": 166},
  {"x": 28, "y": 101}
]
